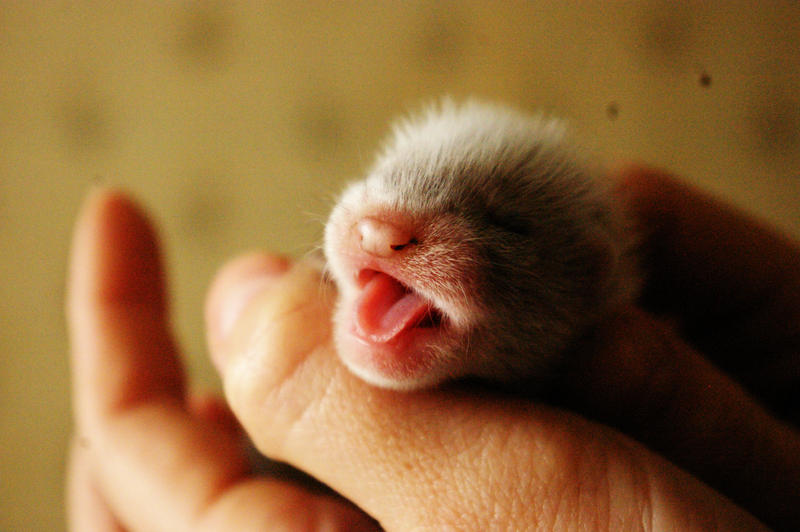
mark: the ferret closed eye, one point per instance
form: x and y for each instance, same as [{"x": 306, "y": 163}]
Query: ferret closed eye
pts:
[{"x": 480, "y": 245}]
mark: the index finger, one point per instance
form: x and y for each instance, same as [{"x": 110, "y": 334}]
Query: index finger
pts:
[
  {"x": 732, "y": 282},
  {"x": 117, "y": 311},
  {"x": 155, "y": 465}
]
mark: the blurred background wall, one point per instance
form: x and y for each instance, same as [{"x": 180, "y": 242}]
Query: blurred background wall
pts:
[{"x": 235, "y": 122}]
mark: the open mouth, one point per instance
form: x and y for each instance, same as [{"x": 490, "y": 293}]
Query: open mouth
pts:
[{"x": 387, "y": 309}]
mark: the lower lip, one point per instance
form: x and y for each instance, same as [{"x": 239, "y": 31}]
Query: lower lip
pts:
[{"x": 407, "y": 356}]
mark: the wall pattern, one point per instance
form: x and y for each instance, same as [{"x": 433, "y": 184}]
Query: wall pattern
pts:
[{"x": 235, "y": 122}]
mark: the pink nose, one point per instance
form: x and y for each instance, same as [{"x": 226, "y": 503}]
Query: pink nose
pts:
[{"x": 381, "y": 238}]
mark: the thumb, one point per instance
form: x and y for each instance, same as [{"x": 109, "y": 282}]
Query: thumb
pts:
[{"x": 439, "y": 459}]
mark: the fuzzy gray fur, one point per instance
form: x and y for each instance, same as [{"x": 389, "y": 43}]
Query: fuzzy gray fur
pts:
[{"x": 521, "y": 244}]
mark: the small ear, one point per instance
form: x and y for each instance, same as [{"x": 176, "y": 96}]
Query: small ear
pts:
[{"x": 602, "y": 258}]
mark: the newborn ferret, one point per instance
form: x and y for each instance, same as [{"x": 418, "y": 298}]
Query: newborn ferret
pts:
[{"x": 478, "y": 245}]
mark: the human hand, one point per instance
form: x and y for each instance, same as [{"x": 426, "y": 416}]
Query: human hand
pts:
[
  {"x": 146, "y": 454},
  {"x": 463, "y": 459},
  {"x": 446, "y": 458},
  {"x": 730, "y": 288}
]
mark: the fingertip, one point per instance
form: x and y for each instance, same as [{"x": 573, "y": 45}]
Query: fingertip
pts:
[
  {"x": 646, "y": 190},
  {"x": 236, "y": 283},
  {"x": 280, "y": 340},
  {"x": 106, "y": 204},
  {"x": 115, "y": 255}
]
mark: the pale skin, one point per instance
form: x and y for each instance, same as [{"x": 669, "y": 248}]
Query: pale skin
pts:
[{"x": 668, "y": 425}]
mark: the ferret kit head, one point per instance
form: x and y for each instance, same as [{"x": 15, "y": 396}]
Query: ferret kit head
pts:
[{"x": 477, "y": 245}]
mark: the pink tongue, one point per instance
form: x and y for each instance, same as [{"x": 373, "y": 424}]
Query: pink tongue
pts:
[{"x": 385, "y": 309}]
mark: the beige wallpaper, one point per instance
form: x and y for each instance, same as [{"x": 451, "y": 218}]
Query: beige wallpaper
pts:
[{"x": 235, "y": 122}]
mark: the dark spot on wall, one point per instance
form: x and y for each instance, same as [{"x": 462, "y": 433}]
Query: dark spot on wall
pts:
[
  {"x": 203, "y": 33},
  {"x": 705, "y": 79},
  {"x": 84, "y": 122},
  {"x": 612, "y": 110}
]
